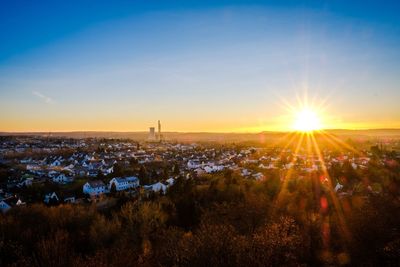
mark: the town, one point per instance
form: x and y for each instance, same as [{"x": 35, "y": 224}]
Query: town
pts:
[
  {"x": 65, "y": 170},
  {"x": 159, "y": 202}
]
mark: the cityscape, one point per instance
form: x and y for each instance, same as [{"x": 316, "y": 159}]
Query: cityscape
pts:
[{"x": 199, "y": 133}]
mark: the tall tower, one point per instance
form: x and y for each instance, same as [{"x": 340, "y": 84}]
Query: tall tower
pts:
[
  {"x": 152, "y": 134},
  {"x": 159, "y": 130}
]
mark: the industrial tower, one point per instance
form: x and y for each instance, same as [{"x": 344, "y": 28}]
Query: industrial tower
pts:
[{"x": 159, "y": 131}]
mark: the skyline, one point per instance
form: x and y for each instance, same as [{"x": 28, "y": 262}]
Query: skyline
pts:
[{"x": 209, "y": 67}]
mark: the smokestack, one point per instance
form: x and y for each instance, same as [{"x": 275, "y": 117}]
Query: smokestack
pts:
[{"x": 159, "y": 130}]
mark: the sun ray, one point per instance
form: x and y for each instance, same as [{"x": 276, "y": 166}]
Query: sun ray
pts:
[
  {"x": 288, "y": 143},
  {"x": 290, "y": 171},
  {"x": 338, "y": 208},
  {"x": 308, "y": 127},
  {"x": 341, "y": 142}
]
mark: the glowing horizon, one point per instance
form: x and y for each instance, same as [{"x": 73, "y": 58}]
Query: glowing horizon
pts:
[{"x": 209, "y": 67}]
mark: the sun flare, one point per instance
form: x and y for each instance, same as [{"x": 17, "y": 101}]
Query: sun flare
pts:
[{"x": 307, "y": 120}]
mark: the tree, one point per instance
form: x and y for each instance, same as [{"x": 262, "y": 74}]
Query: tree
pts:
[
  {"x": 350, "y": 173},
  {"x": 133, "y": 162},
  {"x": 165, "y": 173},
  {"x": 228, "y": 177},
  {"x": 54, "y": 250},
  {"x": 100, "y": 175},
  {"x": 143, "y": 176},
  {"x": 175, "y": 169},
  {"x": 154, "y": 175},
  {"x": 117, "y": 170},
  {"x": 113, "y": 189}
]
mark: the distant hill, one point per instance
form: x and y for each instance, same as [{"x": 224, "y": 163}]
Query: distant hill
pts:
[
  {"x": 209, "y": 136},
  {"x": 369, "y": 132}
]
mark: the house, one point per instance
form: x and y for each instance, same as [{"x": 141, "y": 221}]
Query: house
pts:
[
  {"x": 51, "y": 198},
  {"x": 70, "y": 199},
  {"x": 26, "y": 182},
  {"x": 212, "y": 169},
  {"x": 259, "y": 176},
  {"x": 245, "y": 172},
  {"x": 94, "y": 188},
  {"x": 62, "y": 179},
  {"x": 69, "y": 169},
  {"x": 56, "y": 163},
  {"x": 20, "y": 202},
  {"x": 93, "y": 173},
  {"x": 124, "y": 183},
  {"x": 338, "y": 187},
  {"x": 193, "y": 164},
  {"x": 26, "y": 161},
  {"x": 269, "y": 166},
  {"x": 4, "y": 206},
  {"x": 170, "y": 181},
  {"x": 52, "y": 173},
  {"x": 107, "y": 171},
  {"x": 157, "y": 187},
  {"x": 80, "y": 171},
  {"x": 32, "y": 167}
]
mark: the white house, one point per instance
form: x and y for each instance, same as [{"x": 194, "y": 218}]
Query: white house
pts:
[
  {"x": 124, "y": 183},
  {"x": 51, "y": 197},
  {"x": 4, "y": 207},
  {"x": 170, "y": 181},
  {"x": 157, "y": 187},
  {"x": 245, "y": 172},
  {"x": 52, "y": 173},
  {"x": 55, "y": 163},
  {"x": 94, "y": 188},
  {"x": 26, "y": 182},
  {"x": 211, "y": 169},
  {"x": 107, "y": 171},
  {"x": 62, "y": 179},
  {"x": 70, "y": 199},
  {"x": 70, "y": 168},
  {"x": 32, "y": 167},
  {"x": 338, "y": 187},
  {"x": 269, "y": 166},
  {"x": 259, "y": 176},
  {"x": 20, "y": 202},
  {"x": 26, "y": 161},
  {"x": 193, "y": 164}
]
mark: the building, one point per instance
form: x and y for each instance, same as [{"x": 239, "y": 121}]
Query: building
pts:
[
  {"x": 152, "y": 134},
  {"x": 62, "y": 179},
  {"x": 51, "y": 198},
  {"x": 123, "y": 183},
  {"x": 159, "y": 131},
  {"x": 4, "y": 206},
  {"x": 94, "y": 188},
  {"x": 157, "y": 187}
]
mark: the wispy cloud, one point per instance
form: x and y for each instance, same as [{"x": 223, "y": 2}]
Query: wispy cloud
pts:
[{"x": 45, "y": 98}]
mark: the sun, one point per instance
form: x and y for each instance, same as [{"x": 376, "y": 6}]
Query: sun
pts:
[
  {"x": 307, "y": 115},
  {"x": 306, "y": 120}
]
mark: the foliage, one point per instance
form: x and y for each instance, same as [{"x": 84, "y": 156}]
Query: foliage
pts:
[{"x": 218, "y": 220}]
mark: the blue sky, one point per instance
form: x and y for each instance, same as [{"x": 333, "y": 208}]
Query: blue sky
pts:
[{"x": 197, "y": 66}]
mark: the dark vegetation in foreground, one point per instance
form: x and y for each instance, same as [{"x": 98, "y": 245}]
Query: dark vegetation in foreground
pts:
[{"x": 221, "y": 220}]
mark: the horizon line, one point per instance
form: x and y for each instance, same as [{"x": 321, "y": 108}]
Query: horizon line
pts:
[{"x": 197, "y": 132}]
